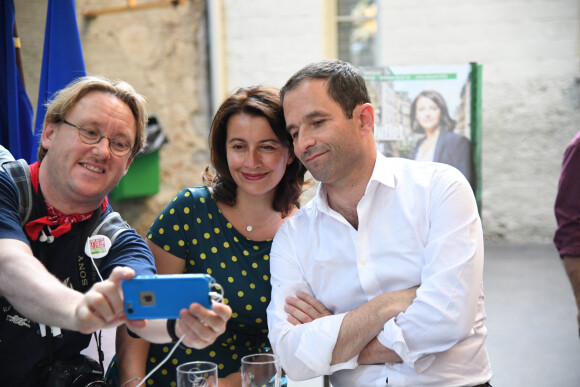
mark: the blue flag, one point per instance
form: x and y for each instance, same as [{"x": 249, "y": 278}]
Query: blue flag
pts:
[
  {"x": 15, "y": 107},
  {"x": 62, "y": 58}
]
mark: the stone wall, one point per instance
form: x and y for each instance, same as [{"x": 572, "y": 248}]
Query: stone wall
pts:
[{"x": 161, "y": 52}]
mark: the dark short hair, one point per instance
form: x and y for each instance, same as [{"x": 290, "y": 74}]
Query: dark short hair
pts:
[
  {"x": 445, "y": 121},
  {"x": 258, "y": 101},
  {"x": 345, "y": 83},
  {"x": 66, "y": 99}
]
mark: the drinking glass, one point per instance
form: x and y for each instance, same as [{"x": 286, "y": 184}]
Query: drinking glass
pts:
[
  {"x": 261, "y": 370},
  {"x": 197, "y": 374}
]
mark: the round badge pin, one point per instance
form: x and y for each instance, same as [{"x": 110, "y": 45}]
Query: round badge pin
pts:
[{"x": 97, "y": 246}]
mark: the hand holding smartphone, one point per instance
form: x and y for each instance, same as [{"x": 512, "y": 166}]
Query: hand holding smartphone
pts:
[{"x": 163, "y": 296}]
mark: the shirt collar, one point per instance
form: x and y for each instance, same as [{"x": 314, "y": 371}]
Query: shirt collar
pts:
[
  {"x": 382, "y": 174},
  {"x": 320, "y": 200}
]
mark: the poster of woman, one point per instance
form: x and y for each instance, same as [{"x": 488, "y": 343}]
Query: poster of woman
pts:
[
  {"x": 428, "y": 113},
  {"x": 430, "y": 117}
]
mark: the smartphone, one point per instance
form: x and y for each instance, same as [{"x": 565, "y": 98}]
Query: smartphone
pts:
[{"x": 163, "y": 296}]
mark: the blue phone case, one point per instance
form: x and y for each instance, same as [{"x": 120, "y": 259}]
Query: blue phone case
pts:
[{"x": 163, "y": 296}]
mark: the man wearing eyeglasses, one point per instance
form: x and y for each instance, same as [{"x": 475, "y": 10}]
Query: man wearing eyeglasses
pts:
[{"x": 92, "y": 131}]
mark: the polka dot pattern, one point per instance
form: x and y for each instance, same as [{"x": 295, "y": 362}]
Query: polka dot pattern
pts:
[{"x": 191, "y": 227}]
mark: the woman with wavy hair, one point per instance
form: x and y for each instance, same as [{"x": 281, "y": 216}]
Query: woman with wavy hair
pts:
[
  {"x": 225, "y": 229},
  {"x": 430, "y": 116}
]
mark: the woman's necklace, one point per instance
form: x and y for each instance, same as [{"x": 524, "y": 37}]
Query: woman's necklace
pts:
[{"x": 251, "y": 228}]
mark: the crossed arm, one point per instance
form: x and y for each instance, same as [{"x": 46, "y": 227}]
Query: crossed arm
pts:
[{"x": 359, "y": 327}]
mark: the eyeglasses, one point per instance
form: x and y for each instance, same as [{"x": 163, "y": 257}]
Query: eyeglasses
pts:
[{"x": 119, "y": 146}]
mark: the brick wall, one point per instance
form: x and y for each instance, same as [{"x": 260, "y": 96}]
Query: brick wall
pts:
[{"x": 267, "y": 41}]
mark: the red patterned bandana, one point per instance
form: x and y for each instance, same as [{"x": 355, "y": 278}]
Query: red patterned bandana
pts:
[{"x": 63, "y": 222}]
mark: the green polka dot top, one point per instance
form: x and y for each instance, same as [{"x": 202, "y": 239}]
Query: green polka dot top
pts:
[{"x": 191, "y": 227}]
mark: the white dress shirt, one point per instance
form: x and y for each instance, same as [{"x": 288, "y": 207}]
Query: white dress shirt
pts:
[{"x": 418, "y": 225}]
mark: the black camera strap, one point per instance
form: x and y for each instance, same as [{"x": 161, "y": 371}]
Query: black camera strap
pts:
[
  {"x": 82, "y": 262},
  {"x": 39, "y": 250}
]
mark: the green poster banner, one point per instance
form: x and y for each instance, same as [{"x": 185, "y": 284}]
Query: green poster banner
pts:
[{"x": 430, "y": 113}]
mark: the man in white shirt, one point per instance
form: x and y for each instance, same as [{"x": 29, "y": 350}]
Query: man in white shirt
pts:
[{"x": 378, "y": 280}]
